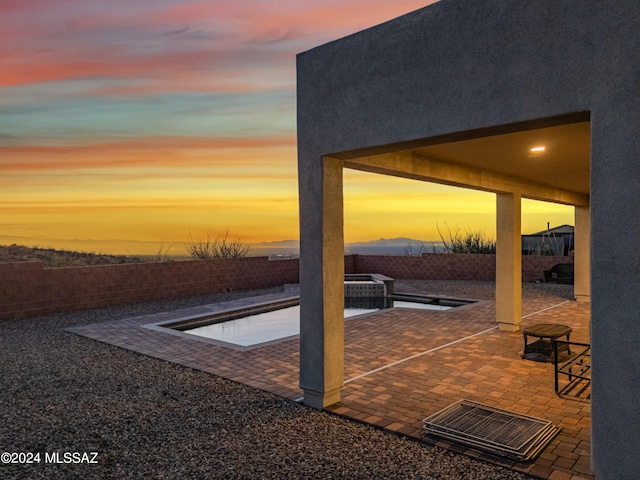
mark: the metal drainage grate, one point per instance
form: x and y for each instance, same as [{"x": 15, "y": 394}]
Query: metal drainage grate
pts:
[{"x": 492, "y": 430}]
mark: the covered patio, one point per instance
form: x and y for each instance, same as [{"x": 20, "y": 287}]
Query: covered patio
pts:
[
  {"x": 402, "y": 365},
  {"x": 457, "y": 93}
]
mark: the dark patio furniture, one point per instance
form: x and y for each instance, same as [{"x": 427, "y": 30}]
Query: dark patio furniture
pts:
[
  {"x": 577, "y": 369},
  {"x": 560, "y": 273},
  {"x": 543, "y": 348}
]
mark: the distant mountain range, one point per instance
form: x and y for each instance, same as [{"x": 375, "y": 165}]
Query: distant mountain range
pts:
[
  {"x": 383, "y": 246},
  {"x": 282, "y": 248}
]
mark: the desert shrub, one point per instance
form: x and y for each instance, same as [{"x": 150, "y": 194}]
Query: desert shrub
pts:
[
  {"x": 162, "y": 254},
  {"x": 467, "y": 242},
  {"x": 415, "y": 250},
  {"x": 216, "y": 247}
]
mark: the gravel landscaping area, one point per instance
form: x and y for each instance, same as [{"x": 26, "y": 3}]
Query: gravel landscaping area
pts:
[
  {"x": 147, "y": 418},
  {"x": 487, "y": 290}
]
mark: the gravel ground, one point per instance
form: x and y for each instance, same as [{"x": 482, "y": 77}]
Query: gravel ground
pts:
[
  {"x": 146, "y": 418},
  {"x": 487, "y": 290}
]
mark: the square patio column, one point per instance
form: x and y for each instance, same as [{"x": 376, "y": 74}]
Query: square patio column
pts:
[
  {"x": 581, "y": 255},
  {"x": 508, "y": 261},
  {"x": 321, "y": 283}
]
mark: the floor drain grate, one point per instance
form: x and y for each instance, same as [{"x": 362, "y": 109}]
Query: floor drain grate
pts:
[{"x": 492, "y": 430}]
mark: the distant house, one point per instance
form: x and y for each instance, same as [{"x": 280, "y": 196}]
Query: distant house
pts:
[{"x": 552, "y": 241}]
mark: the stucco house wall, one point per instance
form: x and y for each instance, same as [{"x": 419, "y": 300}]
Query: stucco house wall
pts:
[{"x": 464, "y": 66}]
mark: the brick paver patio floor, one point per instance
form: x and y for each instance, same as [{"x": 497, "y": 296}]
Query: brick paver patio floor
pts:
[{"x": 402, "y": 365}]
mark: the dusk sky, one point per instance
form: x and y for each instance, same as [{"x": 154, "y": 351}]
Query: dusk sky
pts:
[{"x": 131, "y": 123}]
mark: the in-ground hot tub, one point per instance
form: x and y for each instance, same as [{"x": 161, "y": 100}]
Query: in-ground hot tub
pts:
[{"x": 368, "y": 290}]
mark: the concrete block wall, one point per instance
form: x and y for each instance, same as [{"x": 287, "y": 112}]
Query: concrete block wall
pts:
[
  {"x": 21, "y": 288},
  {"x": 533, "y": 266},
  {"x": 350, "y": 265},
  {"x": 28, "y": 289},
  {"x": 435, "y": 266}
]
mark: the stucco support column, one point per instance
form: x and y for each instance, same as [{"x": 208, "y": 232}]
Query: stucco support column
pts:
[
  {"x": 581, "y": 255},
  {"x": 322, "y": 289},
  {"x": 508, "y": 262}
]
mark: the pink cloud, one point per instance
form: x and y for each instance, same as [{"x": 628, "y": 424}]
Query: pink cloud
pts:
[
  {"x": 181, "y": 44},
  {"x": 141, "y": 151},
  {"x": 333, "y": 19}
]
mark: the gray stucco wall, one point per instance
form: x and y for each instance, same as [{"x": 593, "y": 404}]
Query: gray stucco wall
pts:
[
  {"x": 454, "y": 66},
  {"x": 462, "y": 65}
]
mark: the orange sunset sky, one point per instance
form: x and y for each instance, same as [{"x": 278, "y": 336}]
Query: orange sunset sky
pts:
[{"x": 124, "y": 124}]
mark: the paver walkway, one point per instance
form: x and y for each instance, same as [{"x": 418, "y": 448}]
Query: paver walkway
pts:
[{"x": 402, "y": 365}]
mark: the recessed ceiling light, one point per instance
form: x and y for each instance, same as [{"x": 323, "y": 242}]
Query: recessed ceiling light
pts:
[{"x": 538, "y": 149}]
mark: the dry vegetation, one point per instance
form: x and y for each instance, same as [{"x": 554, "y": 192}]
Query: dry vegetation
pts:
[
  {"x": 51, "y": 257},
  {"x": 218, "y": 247}
]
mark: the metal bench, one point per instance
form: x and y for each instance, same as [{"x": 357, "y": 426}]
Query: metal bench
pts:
[{"x": 577, "y": 368}]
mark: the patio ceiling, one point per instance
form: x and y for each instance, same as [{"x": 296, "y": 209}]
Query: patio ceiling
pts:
[
  {"x": 494, "y": 160},
  {"x": 563, "y": 164}
]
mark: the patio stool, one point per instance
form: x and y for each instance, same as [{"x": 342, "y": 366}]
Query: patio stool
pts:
[{"x": 546, "y": 334}]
